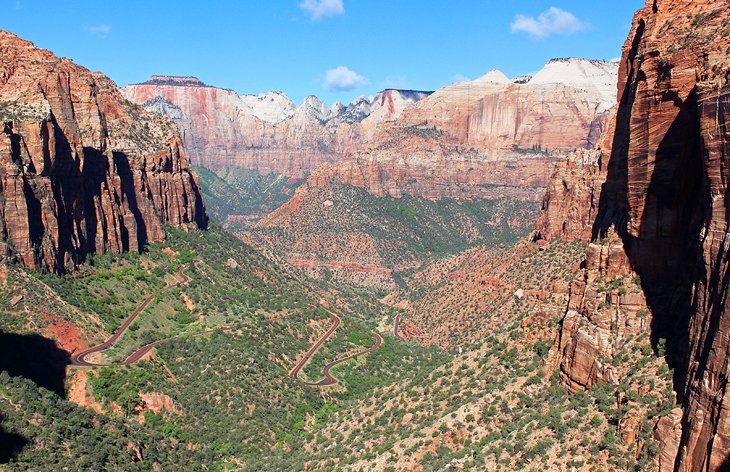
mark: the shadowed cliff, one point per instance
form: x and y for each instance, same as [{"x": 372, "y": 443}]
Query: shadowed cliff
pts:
[{"x": 36, "y": 358}]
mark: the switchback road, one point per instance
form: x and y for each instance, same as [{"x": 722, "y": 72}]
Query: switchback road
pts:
[{"x": 79, "y": 359}]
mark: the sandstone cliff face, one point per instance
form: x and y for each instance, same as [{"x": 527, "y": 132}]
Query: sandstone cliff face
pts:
[
  {"x": 563, "y": 107},
  {"x": 570, "y": 204},
  {"x": 438, "y": 145},
  {"x": 267, "y": 133},
  {"x": 434, "y": 167},
  {"x": 81, "y": 169},
  {"x": 465, "y": 139},
  {"x": 665, "y": 197}
]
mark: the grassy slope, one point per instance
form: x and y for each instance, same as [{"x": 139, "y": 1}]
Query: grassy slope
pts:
[
  {"x": 232, "y": 387},
  {"x": 495, "y": 405}
]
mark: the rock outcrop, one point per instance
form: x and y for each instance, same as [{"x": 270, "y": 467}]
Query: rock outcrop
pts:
[
  {"x": 455, "y": 142},
  {"x": 81, "y": 169},
  {"x": 665, "y": 197},
  {"x": 265, "y": 132},
  {"x": 570, "y": 204},
  {"x": 484, "y": 138},
  {"x": 563, "y": 107}
]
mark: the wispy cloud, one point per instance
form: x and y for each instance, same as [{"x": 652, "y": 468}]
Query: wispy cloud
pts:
[
  {"x": 99, "y": 30},
  {"x": 552, "y": 21},
  {"x": 318, "y": 9},
  {"x": 342, "y": 79}
]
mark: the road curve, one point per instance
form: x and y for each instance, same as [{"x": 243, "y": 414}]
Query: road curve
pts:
[
  {"x": 396, "y": 328},
  {"x": 294, "y": 373},
  {"x": 328, "y": 379},
  {"x": 79, "y": 359}
]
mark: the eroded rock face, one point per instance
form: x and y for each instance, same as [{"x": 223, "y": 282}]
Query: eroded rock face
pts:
[
  {"x": 565, "y": 106},
  {"x": 570, "y": 203},
  {"x": 600, "y": 317},
  {"x": 455, "y": 143},
  {"x": 81, "y": 169},
  {"x": 265, "y": 132},
  {"x": 426, "y": 167},
  {"x": 665, "y": 197},
  {"x": 484, "y": 138}
]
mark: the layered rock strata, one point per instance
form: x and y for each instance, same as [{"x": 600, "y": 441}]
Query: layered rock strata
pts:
[
  {"x": 665, "y": 197},
  {"x": 265, "y": 132},
  {"x": 82, "y": 170},
  {"x": 453, "y": 143}
]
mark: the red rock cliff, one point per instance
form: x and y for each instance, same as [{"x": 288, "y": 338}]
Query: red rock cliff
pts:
[
  {"x": 481, "y": 132},
  {"x": 267, "y": 132},
  {"x": 81, "y": 169},
  {"x": 484, "y": 138},
  {"x": 665, "y": 196}
]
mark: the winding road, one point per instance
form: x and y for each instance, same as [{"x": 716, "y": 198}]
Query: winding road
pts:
[
  {"x": 396, "y": 326},
  {"x": 79, "y": 359},
  {"x": 328, "y": 378},
  {"x": 294, "y": 373}
]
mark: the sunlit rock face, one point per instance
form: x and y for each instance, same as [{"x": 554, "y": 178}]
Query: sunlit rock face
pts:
[
  {"x": 83, "y": 169},
  {"x": 664, "y": 197}
]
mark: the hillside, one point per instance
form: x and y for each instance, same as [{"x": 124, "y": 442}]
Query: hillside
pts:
[
  {"x": 237, "y": 198},
  {"x": 470, "y": 290},
  {"x": 345, "y": 235}
]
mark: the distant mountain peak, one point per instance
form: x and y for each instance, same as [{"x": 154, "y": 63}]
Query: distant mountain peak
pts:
[
  {"x": 182, "y": 81},
  {"x": 493, "y": 76}
]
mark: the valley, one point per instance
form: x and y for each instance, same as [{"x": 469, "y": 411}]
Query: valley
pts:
[{"x": 500, "y": 273}]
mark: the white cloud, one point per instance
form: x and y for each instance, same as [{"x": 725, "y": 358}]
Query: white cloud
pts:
[
  {"x": 552, "y": 21},
  {"x": 101, "y": 30},
  {"x": 318, "y": 9},
  {"x": 341, "y": 79}
]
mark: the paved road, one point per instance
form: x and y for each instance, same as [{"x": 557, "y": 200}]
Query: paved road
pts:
[
  {"x": 396, "y": 328},
  {"x": 79, "y": 359},
  {"x": 294, "y": 373},
  {"x": 328, "y": 379}
]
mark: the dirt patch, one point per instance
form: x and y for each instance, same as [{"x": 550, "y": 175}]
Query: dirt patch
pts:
[
  {"x": 80, "y": 394},
  {"x": 67, "y": 335},
  {"x": 188, "y": 302}
]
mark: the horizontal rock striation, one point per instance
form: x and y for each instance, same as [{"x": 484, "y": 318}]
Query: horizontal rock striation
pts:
[
  {"x": 465, "y": 139},
  {"x": 81, "y": 169},
  {"x": 665, "y": 197},
  {"x": 435, "y": 145},
  {"x": 265, "y": 132}
]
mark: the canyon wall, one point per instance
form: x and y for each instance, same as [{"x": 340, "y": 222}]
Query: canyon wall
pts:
[
  {"x": 265, "y": 132},
  {"x": 486, "y": 138},
  {"x": 456, "y": 142},
  {"x": 82, "y": 170},
  {"x": 663, "y": 216}
]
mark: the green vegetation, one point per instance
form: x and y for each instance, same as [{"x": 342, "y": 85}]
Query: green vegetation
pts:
[
  {"x": 53, "y": 434},
  {"x": 20, "y": 111},
  {"x": 235, "y": 197},
  {"x": 230, "y": 403},
  {"x": 535, "y": 150},
  {"x": 395, "y": 233}
]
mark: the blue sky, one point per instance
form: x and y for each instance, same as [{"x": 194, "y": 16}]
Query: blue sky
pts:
[{"x": 335, "y": 49}]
